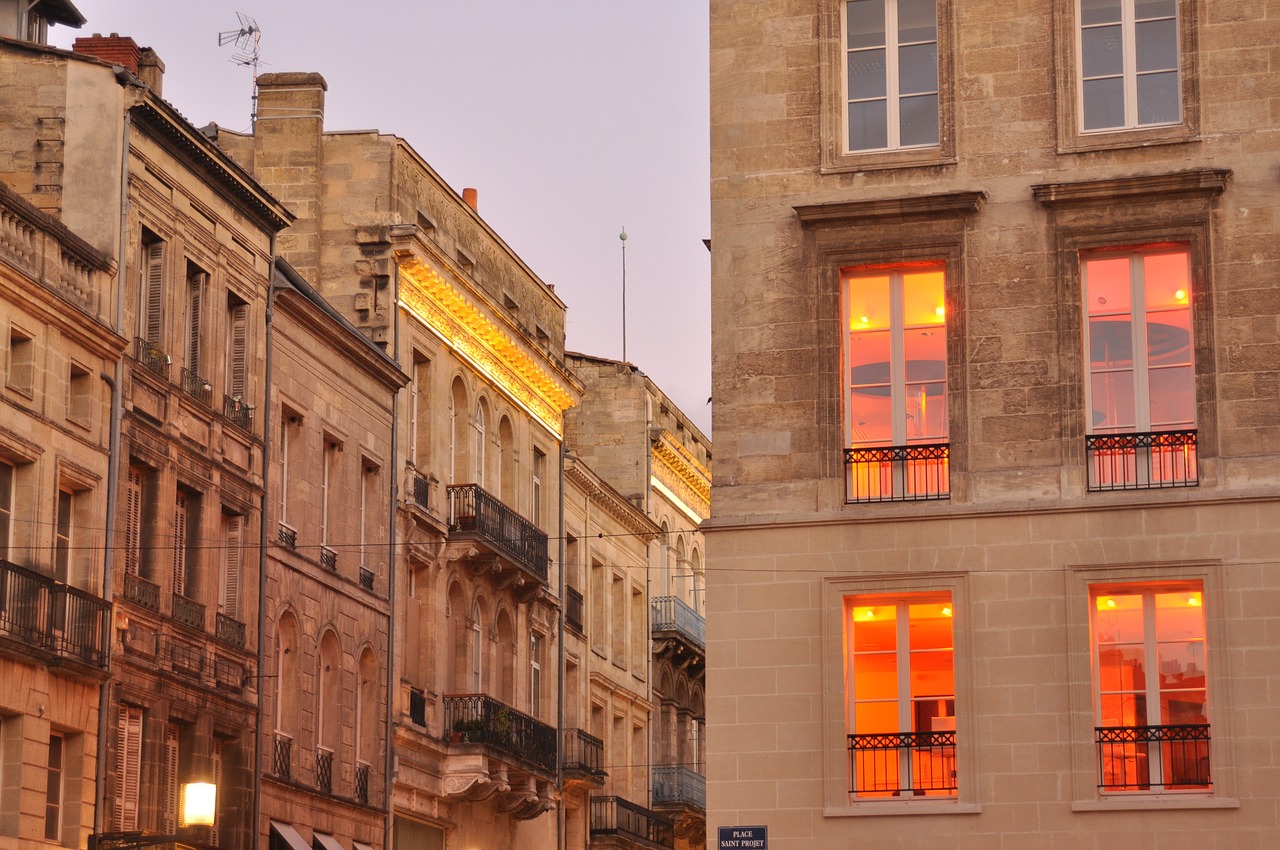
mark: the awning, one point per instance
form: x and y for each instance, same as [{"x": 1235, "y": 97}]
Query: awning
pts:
[
  {"x": 290, "y": 836},
  {"x": 328, "y": 842}
]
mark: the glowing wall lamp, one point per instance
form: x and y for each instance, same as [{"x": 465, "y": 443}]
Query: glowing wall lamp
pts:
[{"x": 197, "y": 808}]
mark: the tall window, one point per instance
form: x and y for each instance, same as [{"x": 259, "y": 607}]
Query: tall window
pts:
[
  {"x": 62, "y": 534},
  {"x": 53, "y": 788},
  {"x": 420, "y": 429},
  {"x": 481, "y": 422},
  {"x": 1141, "y": 388},
  {"x": 476, "y": 651},
  {"x": 6, "y": 508},
  {"x": 237, "y": 347},
  {"x": 181, "y": 520},
  {"x": 197, "y": 281},
  {"x": 539, "y": 475},
  {"x": 1129, "y": 63},
  {"x": 535, "y": 674},
  {"x": 1150, "y": 687},
  {"x": 328, "y": 471},
  {"x": 128, "y": 767},
  {"x": 151, "y": 290},
  {"x": 232, "y": 564},
  {"x": 896, "y": 374},
  {"x": 172, "y": 787},
  {"x": 901, "y": 695},
  {"x": 133, "y": 500},
  {"x": 891, "y": 74}
]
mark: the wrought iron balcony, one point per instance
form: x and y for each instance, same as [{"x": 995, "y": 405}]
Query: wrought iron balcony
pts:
[
  {"x": 481, "y": 719},
  {"x": 287, "y": 536},
  {"x": 679, "y": 785},
  {"x": 188, "y": 612},
  {"x": 418, "y": 707},
  {"x": 238, "y": 412},
  {"x": 329, "y": 559},
  {"x": 282, "y": 756},
  {"x": 573, "y": 609},
  {"x": 362, "y": 783},
  {"x": 903, "y": 764},
  {"x": 1145, "y": 461},
  {"x": 477, "y": 515},
  {"x": 229, "y": 630},
  {"x": 51, "y": 616},
  {"x": 152, "y": 357},
  {"x": 324, "y": 770},
  {"x": 1144, "y": 758},
  {"x": 672, "y": 614},
  {"x": 141, "y": 592},
  {"x": 612, "y": 815},
  {"x": 898, "y": 473},
  {"x": 583, "y": 753},
  {"x": 420, "y": 491},
  {"x": 197, "y": 387},
  {"x": 366, "y": 578}
]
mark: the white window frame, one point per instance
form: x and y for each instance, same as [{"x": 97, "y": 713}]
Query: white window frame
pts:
[
  {"x": 7, "y": 489},
  {"x": 536, "y": 643},
  {"x": 55, "y": 788},
  {"x": 1129, "y": 73}
]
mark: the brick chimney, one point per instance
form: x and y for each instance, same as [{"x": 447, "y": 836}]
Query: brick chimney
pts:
[
  {"x": 115, "y": 48},
  {"x": 151, "y": 70}
]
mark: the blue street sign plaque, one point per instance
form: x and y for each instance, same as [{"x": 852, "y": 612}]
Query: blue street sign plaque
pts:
[{"x": 744, "y": 838}]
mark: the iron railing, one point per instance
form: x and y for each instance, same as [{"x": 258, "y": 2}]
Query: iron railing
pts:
[
  {"x": 152, "y": 357},
  {"x": 329, "y": 559},
  {"x": 287, "y": 536},
  {"x": 472, "y": 509},
  {"x": 670, "y": 613},
  {"x": 1146, "y": 461},
  {"x": 186, "y": 658},
  {"x": 141, "y": 592},
  {"x": 420, "y": 491},
  {"x": 612, "y": 815},
  {"x": 229, "y": 630},
  {"x": 583, "y": 752},
  {"x": 197, "y": 387},
  {"x": 898, "y": 473},
  {"x": 366, "y": 578},
  {"x": 418, "y": 707},
  {"x": 1141, "y": 758},
  {"x": 238, "y": 412},
  {"x": 573, "y": 609},
  {"x": 362, "y": 783},
  {"x": 324, "y": 770},
  {"x": 679, "y": 785},
  {"x": 188, "y": 612},
  {"x": 49, "y": 615},
  {"x": 903, "y": 764},
  {"x": 282, "y": 756},
  {"x": 481, "y": 719}
]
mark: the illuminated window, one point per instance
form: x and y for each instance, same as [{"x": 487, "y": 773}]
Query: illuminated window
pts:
[
  {"x": 896, "y": 379},
  {"x": 1149, "y": 673},
  {"x": 891, "y": 74},
  {"x": 1128, "y": 64},
  {"x": 900, "y": 695},
  {"x": 1140, "y": 395}
]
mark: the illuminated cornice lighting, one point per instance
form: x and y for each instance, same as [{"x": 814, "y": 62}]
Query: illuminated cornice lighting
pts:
[
  {"x": 469, "y": 332},
  {"x": 682, "y": 476}
]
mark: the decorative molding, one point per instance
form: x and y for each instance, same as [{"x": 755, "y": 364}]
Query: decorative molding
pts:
[
  {"x": 885, "y": 211},
  {"x": 1204, "y": 181},
  {"x": 681, "y": 473}
]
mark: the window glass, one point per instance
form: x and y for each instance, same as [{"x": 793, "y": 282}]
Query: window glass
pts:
[
  {"x": 1129, "y": 61},
  {"x": 891, "y": 74}
]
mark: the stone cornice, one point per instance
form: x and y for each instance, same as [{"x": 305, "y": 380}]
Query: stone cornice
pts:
[
  {"x": 1204, "y": 181},
  {"x": 628, "y": 515},
  {"x": 680, "y": 472},
  {"x": 883, "y": 211}
]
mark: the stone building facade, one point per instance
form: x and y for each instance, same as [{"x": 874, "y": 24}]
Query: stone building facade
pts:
[{"x": 995, "y": 376}]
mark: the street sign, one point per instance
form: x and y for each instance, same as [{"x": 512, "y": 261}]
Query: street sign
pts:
[{"x": 744, "y": 838}]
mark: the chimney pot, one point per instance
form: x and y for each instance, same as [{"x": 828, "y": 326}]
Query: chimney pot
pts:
[{"x": 472, "y": 197}]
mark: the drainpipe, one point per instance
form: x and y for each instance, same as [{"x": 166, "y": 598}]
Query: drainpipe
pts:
[
  {"x": 560, "y": 666},
  {"x": 262, "y": 547},
  {"x": 116, "y": 383},
  {"x": 389, "y": 757}
]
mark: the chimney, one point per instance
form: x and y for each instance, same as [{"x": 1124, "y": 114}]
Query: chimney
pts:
[
  {"x": 151, "y": 70},
  {"x": 115, "y": 48},
  {"x": 472, "y": 197}
]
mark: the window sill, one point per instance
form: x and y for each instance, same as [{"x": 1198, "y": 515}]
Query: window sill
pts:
[
  {"x": 889, "y": 808},
  {"x": 1140, "y": 137},
  {"x": 882, "y": 160},
  {"x": 1154, "y": 803}
]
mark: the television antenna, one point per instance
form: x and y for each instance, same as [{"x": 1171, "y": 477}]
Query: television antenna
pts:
[{"x": 247, "y": 40}]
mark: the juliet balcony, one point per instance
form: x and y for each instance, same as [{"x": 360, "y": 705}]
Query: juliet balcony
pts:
[
  {"x": 679, "y": 786},
  {"x": 497, "y": 532},
  {"x": 584, "y": 757},
  {"x": 629, "y": 825},
  {"x": 51, "y": 617},
  {"x": 678, "y": 631}
]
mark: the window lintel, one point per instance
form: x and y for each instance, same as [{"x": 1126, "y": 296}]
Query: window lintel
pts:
[
  {"x": 885, "y": 210},
  {"x": 1207, "y": 182}
]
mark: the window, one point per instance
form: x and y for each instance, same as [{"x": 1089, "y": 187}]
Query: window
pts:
[
  {"x": 7, "y": 475},
  {"x": 197, "y": 282},
  {"x": 618, "y": 621},
  {"x": 475, "y": 650},
  {"x": 1128, "y": 64},
  {"x": 901, "y": 695},
  {"x": 133, "y": 500},
  {"x": 79, "y": 395},
  {"x": 237, "y": 347},
  {"x": 180, "y": 538},
  {"x": 1140, "y": 392},
  {"x": 21, "y": 373},
  {"x": 539, "y": 474},
  {"x": 896, "y": 380},
  {"x": 479, "y": 425},
  {"x": 232, "y": 563},
  {"x": 328, "y": 474},
  {"x": 151, "y": 290},
  {"x": 891, "y": 74},
  {"x": 62, "y": 534},
  {"x": 128, "y": 767},
  {"x": 420, "y": 412},
  {"x": 1150, "y": 686},
  {"x": 172, "y": 784},
  {"x": 535, "y": 674},
  {"x": 53, "y": 789}
]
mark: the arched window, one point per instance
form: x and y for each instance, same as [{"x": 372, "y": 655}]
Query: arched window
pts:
[
  {"x": 480, "y": 424},
  {"x": 287, "y": 670},
  {"x": 684, "y": 575},
  {"x": 664, "y": 561},
  {"x": 328, "y": 712},
  {"x": 366, "y": 722},
  {"x": 457, "y": 422},
  {"x": 475, "y": 651},
  {"x": 506, "y": 461},
  {"x": 699, "y": 583},
  {"x": 459, "y": 639},
  {"x": 505, "y": 666}
]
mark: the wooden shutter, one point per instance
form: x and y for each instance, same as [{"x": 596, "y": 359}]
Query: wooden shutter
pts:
[
  {"x": 232, "y": 559},
  {"x": 153, "y": 291},
  {"x": 180, "y": 545},
  {"x": 128, "y": 767},
  {"x": 171, "y": 738},
  {"x": 195, "y": 295},
  {"x": 215, "y": 757},
  {"x": 133, "y": 522},
  {"x": 237, "y": 358}
]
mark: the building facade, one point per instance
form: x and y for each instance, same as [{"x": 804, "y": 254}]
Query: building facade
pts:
[{"x": 995, "y": 380}]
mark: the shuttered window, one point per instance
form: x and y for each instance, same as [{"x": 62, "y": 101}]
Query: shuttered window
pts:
[
  {"x": 180, "y": 544},
  {"x": 128, "y": 767},
  {"x": 133, "y": 521},
  {"x": 232, "y": 560},
  {"x": 197, "y": 279},
  {"x": 238, "y": 346},
  {"x": 152, "y": 289},
  {"x": 172, "y": 736}
]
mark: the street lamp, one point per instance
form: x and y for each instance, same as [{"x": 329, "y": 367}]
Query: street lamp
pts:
[{"x": 199, "y": 805}]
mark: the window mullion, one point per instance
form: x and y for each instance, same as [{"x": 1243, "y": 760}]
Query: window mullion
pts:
[
  {"x": 1129, "y": 56},
  {"x": 897, "y": 360},
  {"x": 905, "y": 706},
  {"x": 1151, "y": 684},
  {"x": 1138, "y": 312},
  {"x": 892, "y": 84}
]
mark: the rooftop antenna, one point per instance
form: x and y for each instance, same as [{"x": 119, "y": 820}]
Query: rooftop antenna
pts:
[
  {"x": 623, "y": 237},
  {"x": 247, "y": 43}
]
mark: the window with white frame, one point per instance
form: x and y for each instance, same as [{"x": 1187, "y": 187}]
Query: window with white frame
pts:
[
  {"x": 535, "y": 673},
  {"x": 891, "y": 74},
  {"x": 1128, "y": 61},
  {"x": 7, "y": 476},
  {"x": 54, "y": 788},
  {"x": 1150, "y": 686},
  {"x": 900, "y": 695},
  {"x": 63, "y": 524},
  {"x": 896, "y": 382}
]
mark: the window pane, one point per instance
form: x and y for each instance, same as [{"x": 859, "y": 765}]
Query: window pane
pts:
[
  {"x": 932, "y": 675},
  {"x": 1104, "y": 103},
  {"x": 926, "y": 355},
  {"x": 868, "y": 126},
  {"x": 918, "y": 118},
  {"x": 924, "y": 298},
  {"x": 1144, "y": 9},
  {"x": 875, "y": 629},
  {"x": 865, "y": 22},
  {"x": 1119, "y": 618},
  {"x": 917, "y": 21},
  {"x": 1108, "y": 286},
  {"x": 930, "y": 625},
  {"x": 867, "y": 74},
  {"x": 873, "y": 717},
  {"x": 1123, "y": 710},
  {"x": 1102, "y": 51},
  {"x": 1172, "y": 397},
  {"x": 1183, "y": 707},
  {"x": 918, "y": 69},
  {"x": 1165, "y": 281},
  {"x": 1099, "y": 11},
  {"x": 1120, "y": 668},
  {"x": 1157, "y": 43},
  {"x": 1112, "y": 395},
  {"x": 1179, "y": 615},
  {"x": 875, "y": 676},
  {"x": 1158, "y": 99},
  {"x": 1182, "y": 665},
  {"x": 869, "y": 361}
]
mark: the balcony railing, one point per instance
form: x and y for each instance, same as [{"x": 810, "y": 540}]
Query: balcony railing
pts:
[
  {"x": 1143, "y": 758},
  {"x": 45, "y": 614},
  {"x": 1147, "y": 461},
  {"x": 324, "y": 770},
  {"x": 238, "y": 412},
  {"x": 329, "y": 559},
  {"x": 481, "y": 719},
  {"x": 898, "y": 473},
  {"x": 903, "y": 764},
  {"x": 418, "y": 707},
  {"x": 287, "y": 536},
  {"x": 362, "y": 783},
  {"x": 197, "y": 387},
  {"x": 188, "y": 612},
  {"x": 472, "y": 509},
  {"x": 671, "y": 613},
  {"x": 229, "y": 630},
  {"x": 676, "y": 784},
  {"x": 152, "y": 357},
  {"x": 366, "y": 578},
  {"x": 583, "y": 753},
  {"x": 141, "y": 592},
  {"x": 420, "y": 491},
  {"x": 573, "y": 609},
  {"x": 282, "y": 756},
  {"x": 618, "y": 816}
]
